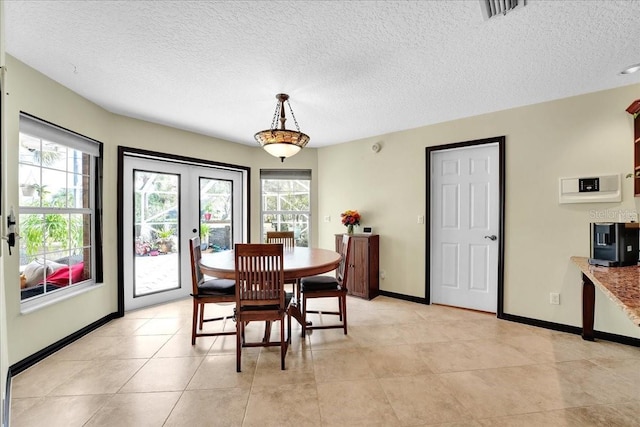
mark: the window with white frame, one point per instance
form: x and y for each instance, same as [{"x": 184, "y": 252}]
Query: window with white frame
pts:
[
  {"x": 286, "y": 203},
  {"x": 59, "y": 243}
]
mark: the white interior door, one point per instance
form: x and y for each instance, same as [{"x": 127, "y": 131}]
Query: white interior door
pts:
[
  {"x": 464, "y": 227},
  {"x": 165, "y": 204}
]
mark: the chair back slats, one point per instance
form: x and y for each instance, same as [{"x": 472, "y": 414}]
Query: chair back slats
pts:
[
  {"x": 285, "y": 237},
  {"x": 345, "y": 255},
  {"x": 196, "y": 255},
  {"x": 259, "y": 274}
]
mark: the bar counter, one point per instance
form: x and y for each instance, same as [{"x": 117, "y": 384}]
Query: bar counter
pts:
[{"x": 620, "y": 284}]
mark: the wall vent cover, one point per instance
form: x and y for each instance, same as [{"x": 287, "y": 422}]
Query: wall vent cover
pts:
[{"x": 493, "y": 8}]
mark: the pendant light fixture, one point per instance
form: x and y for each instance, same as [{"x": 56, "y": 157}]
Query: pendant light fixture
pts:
[{"x": 282, "y": 142}]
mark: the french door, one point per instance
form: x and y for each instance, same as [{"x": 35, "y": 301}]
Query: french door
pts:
[{"x": 166, "y": 204}]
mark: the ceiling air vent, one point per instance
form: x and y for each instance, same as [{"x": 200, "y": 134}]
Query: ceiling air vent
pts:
[{"x": 491, "y": 8}]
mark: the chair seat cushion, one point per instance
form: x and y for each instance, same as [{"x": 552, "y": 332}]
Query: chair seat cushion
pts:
[
  {"x": 217, "y": 287},
  {"x": 318, "y": 283}
]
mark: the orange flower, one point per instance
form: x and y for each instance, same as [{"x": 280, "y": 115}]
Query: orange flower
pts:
[{"x": 350, "y": 217}]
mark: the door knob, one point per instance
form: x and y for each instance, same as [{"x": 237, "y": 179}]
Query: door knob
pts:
[{"x": 492, "y": 237}]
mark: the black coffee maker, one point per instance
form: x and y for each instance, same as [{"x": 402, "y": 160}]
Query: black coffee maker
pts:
[{"x": 614, "y": 244}]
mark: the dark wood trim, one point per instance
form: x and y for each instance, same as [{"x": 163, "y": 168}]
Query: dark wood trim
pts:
[
  {"x": 177, "y": 158},
  {"x": 29, "y": 361},
  {"x": 501, "y": 212},
  {"x": 621, "y": 339},
  {"x": 411, "y": 298},
  {"x": 543, "y": 324},
  {"x": 120, "y": 237},
  {"x": 7, "y": 400},
  {"x": 130, "y": 151},
  {"x": 576, "y": 330},
  {"x": 98, "y": 220},
  {"x": 502, "y": 176}
]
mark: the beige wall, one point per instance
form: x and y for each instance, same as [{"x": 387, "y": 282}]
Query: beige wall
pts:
[
  {"x": 30, "y": 92},
  {"x": 576, "y": 136},
  {"x": 36, "y": 94}
]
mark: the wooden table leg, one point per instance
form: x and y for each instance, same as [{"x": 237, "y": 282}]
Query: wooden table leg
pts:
[
  {"x": 294, "y": 309},
  {"x": 588, "y": 308},
  {"x": 267, "y": 332}
]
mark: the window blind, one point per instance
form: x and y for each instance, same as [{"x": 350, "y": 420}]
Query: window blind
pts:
[
  {"x": 40, "y": 129},
  {"x": 285, "y": 174}
]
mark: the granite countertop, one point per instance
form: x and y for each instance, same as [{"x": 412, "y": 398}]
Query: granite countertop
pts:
[{"x": 620, "y": 284}]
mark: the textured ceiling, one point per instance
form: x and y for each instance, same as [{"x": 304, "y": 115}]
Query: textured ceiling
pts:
[{"x": 353, "y": 69}]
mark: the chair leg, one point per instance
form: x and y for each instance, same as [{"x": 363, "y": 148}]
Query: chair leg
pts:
[
  {"x": 343, "y": 303},
  {"x": 201, "y": 315},
  {"x": 340, "y": 309},
  {"x": 289, "y": 327},
  {"x": 283, "y": 344},
  {"x": 239, "y": 334},
  {"x": 194, "y": 321},
  {"x": 304, "y": 315}
]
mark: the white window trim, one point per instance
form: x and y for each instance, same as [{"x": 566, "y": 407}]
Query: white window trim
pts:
[{"x": 45, "y": 131}]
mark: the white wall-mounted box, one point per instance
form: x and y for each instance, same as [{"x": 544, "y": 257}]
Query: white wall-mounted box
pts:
[{"x": 590, "y": 189}]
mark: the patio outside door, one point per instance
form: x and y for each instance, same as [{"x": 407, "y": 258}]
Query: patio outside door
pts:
[{"x": 165, "y": 204}]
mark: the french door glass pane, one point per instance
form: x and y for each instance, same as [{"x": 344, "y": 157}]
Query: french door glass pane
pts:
[
  {"x": 156, "y": 217},
  {"x": 216, "y": 214}
]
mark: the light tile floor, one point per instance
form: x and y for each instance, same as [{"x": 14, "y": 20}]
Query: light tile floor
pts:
[{"x": 402, "y": 364}]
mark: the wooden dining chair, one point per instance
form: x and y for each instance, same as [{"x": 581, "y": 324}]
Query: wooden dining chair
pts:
[
  {"x": 328, "y": 286},
  {"x": 285, "y": 237},
  {"x": 289, "y": 242},
  {"x": 260, "y": 294},
  {"x": 214, "y": 291}
]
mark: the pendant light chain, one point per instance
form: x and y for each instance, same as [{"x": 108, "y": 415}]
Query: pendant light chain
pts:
[
  {"x": 293, "y": 116},
  {"x": 275, "y": 117}
]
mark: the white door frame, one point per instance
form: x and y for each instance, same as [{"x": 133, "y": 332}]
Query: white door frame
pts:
[
  {"x": 124, "y": 152},
  {"x": 501, "y": 160}
]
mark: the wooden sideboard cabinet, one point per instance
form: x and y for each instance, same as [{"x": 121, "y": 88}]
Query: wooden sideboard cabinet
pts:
[{"x": 364, "y": 277}]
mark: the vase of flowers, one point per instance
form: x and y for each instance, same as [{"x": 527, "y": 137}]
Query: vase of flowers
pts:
[{"x": 350, "y": 218}]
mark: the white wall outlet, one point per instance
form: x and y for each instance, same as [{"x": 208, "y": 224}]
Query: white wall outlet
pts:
[
  {"x": 327, "y": 218},
  {"x": 420, "y": 219},
  {"x": 382, "y": 274},
  {"x": 554, "y": 298}
]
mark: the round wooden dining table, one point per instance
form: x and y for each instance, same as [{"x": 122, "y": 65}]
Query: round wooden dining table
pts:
[{"x": 298, "y": 262}]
